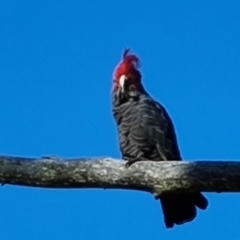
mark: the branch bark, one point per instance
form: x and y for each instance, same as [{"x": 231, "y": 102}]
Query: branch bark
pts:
[{"x": 154, "y": 177}]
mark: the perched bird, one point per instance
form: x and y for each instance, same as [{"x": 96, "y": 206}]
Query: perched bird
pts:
[{"x": 146, "y": 132}]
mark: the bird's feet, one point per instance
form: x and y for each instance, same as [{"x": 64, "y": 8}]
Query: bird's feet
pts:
[
  {"x": 52, "y": 157},
  {"x": 130, "y": 161}
]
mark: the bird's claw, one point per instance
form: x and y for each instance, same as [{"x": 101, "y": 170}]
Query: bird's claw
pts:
[
  {"x": 52, "y": 157},
  {"x": 130, "y": 162},
  {"x": 127, "y": 164}
]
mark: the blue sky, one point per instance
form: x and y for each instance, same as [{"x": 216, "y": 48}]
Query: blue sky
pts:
[{"x": 56, "y": 64}]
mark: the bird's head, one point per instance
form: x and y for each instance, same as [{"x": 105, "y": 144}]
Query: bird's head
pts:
[{"x": 126, "y": 76}]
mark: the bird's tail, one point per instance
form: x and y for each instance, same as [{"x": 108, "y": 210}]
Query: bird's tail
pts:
[{"x": 181, "y": 207}]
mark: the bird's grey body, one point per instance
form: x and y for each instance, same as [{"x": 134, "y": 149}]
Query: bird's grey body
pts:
[
  {"x": 146, "y": 132},
  {"x": 145, "y": 128}
]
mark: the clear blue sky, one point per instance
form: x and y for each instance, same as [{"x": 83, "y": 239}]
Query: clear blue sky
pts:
[{"x": 56, "y": 64}]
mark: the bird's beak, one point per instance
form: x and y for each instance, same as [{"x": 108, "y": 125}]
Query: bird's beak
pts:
[{"x": 122, "y": 81}]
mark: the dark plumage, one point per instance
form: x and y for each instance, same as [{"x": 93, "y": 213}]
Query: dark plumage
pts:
[{"x": 147, "y": 132}]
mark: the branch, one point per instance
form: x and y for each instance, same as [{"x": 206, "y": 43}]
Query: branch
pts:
[{"x": 155, "y": 177}]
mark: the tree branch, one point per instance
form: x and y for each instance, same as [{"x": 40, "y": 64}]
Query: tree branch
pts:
[{"x": 155, "y": 177}]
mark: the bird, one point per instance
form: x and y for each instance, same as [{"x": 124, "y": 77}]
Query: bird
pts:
[{"x": 146, "y": 132}]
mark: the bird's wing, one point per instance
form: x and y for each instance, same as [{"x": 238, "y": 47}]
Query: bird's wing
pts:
[{"x": 159, "y": 128}]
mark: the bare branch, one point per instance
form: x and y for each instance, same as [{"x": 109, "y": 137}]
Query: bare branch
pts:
[{"x": 154, "y": 177}]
